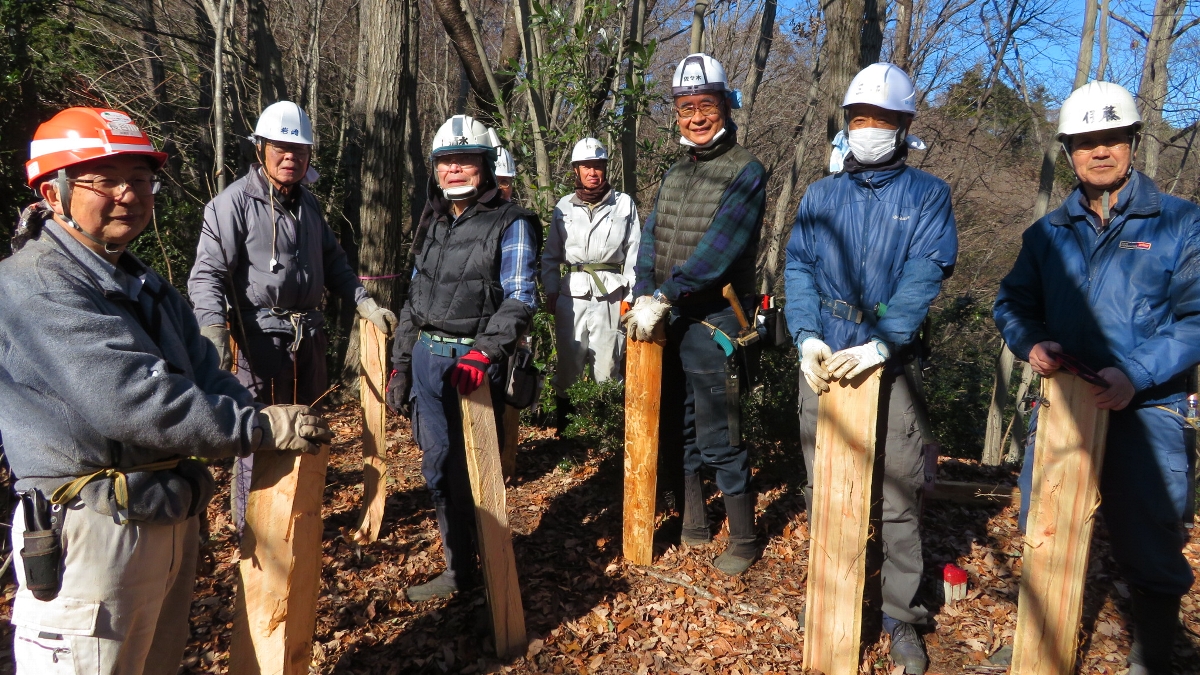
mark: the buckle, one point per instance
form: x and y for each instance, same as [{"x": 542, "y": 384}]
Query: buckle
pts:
[{"x": 844, "y": 310}]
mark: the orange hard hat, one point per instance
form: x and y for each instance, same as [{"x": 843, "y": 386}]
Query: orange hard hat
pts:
[{"x": 78, "y": 135}]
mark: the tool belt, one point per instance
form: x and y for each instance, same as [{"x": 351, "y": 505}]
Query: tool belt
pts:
[
  {"x": 591, "y": 269},
  {"x": 844, "y": 310},
  {"x": 166, "y": 492},
  {"x": 443, "y": 345},
  {"x": 733, "y": 348},
  {"x": 68, "y": 491}
]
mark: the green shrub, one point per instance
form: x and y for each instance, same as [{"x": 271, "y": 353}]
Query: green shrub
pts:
[{"x": 599, "y": 419}]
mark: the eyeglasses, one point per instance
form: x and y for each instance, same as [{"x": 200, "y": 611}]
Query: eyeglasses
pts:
[
  {"x": 114, "y": 187},
  {"x": 295, "y": 149},
  {"x": 1090, "y": 144},
  {"x": 707, "y": 109}
]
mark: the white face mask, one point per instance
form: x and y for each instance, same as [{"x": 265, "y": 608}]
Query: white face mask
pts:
[{"x": 871, "y": 145}]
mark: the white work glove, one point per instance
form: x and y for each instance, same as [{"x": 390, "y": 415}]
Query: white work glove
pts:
[
  {"x": 647, "y": 312},
  {"x": 292, "y": 427},
  {"x": 218, "y": 334},
  {"x": 813, "y": 355},
  {"x": 850, "y": 363},
  {"x": 382, "y": 317}
]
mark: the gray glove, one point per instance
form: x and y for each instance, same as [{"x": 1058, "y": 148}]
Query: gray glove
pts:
[
  {"x": 292, "y": 427},
  {"x": 382, "y": 317},
  {"x": 219, "y": 336}
]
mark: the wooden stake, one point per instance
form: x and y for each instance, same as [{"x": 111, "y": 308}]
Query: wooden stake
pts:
[
  {"x": 843, "y": 473},
  {"x": 1066, "y": 478},
  {"x": 491, "y": 521},
  {"x": 512, "y": 438},
  {"x": 992, "y": 452},
  {"x": 643, "y": 392},
  {"x": 280, "y": 570},
  {"x": 372, "y": 388}
]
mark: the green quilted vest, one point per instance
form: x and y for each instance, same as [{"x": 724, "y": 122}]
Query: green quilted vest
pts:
[{"x": 689, "y": 197}]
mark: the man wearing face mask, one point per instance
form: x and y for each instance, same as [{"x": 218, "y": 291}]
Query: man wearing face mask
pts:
[
  {"x": 593, "y": 239},
  {"x": 472, "y": 295},
  {"x": 1112, "y": 278},
  {"x": 265, "y": 258},
  {"x": 702, "y": 236},
  {"x": 869, "y": 250}
]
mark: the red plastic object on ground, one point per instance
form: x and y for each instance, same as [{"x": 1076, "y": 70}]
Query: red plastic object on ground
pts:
[{"x": 954, "y": 582}]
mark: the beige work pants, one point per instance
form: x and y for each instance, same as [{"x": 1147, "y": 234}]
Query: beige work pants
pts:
[
  {"x": 586, "y": 332},
  {"x": 124, "y": 604}
]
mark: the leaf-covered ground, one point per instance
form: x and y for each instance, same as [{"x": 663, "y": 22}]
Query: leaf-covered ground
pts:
[{"x": 588, "y": 611}]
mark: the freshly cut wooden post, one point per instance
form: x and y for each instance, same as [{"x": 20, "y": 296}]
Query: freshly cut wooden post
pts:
[
  {"x": 512, "y": 438},
  {"x": 1066, "y": 477},
  {"x": 372, "y": 388},
  {"x": 643, "y": 392},
  {"x": 491, "y": 521},
  {"x": 843, "y": 472},
  {"x": 280, "y": 569}
]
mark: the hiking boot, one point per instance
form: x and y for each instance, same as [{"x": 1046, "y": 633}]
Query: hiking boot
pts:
[
  {"x": 441, "y": 586},
  {"x": 563, "y": 409},
  {"x": 1155, "y": 624},
  {"x": 459, "y": 551},
  {"x": 743, "y": 543},
  {"x": 695, "y": 512},
  {"x": 908, "y": 649}
]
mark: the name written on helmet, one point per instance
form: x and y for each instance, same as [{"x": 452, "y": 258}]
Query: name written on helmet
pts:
[
  {"x": 1107, "y": 114},
  {"x": 289, "y": 132},
  {"x": 119, "y": 124}
]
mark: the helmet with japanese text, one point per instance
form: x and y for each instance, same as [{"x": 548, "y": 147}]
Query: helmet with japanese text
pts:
[
  {"x": 1097, "y": 106},
  {"x": 284, "y": 122}
]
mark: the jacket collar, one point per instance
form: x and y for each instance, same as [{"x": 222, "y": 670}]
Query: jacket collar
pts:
[
  {"x": 609, "y": 199},
  {"x": 113, "y": 280},
  {"x": 1139, "y": 198},
  {"x": 258, "y": 187}
]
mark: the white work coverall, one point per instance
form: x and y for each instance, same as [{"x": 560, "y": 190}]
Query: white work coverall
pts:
[{"x": 586, "y": 319}]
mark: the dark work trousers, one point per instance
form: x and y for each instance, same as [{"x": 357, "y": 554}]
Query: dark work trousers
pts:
[
  {"x": 1144, "y": 494},
  {"x": 275, "y": 374},
  {"x": 903, "y": 475},
  {"x": 694, "y": 373},
  {"x": 437, "y": 429}
]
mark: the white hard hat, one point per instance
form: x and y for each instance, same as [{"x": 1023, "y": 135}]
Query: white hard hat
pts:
[
  {"x": 699, "y": 74},
  {"x": 883, "y": 85},
  {"x": 465, "y": 134},
  {"x": 505, "y": 168},
  {"x": 1097, "y": 106},
  {"x": 587, "y": 150},
  {"x": 284, "y": 121}
]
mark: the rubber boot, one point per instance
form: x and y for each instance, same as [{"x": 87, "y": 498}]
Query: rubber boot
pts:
[
  {"x": 564, "y": 408},
  {"x": 907, "y": 649},
  {"x": 743, "y": 543},
  {"x": 1155, "y": 625},
  {"x": 459, "y": 551},
  {"x": 695, "y": 512}
]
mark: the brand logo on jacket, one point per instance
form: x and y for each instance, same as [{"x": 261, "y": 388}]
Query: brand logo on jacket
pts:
[{"x": 1136, "y": 245}]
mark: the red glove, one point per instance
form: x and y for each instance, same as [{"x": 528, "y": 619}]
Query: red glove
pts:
[{"x": 469, "y": 372}]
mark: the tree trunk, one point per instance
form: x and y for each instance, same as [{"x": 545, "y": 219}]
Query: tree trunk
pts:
[
  {"x": 1083, "y": 66},
  {"x": 313, "y": 74},
  {"x": 1153, "y": 88},
  {"x": 537, "y": 108},
  {"x": 902, "y": 48},
  {"x": 415, "y": 164},
  {"x": 162, "y": 113},
  {"x": 629, "y": 107},
  {"x": 381, "y": 252},
  {"x": 698, "y": 25},
  {"x": 454, "y": 20},
  {"x": 1103, "y": 41},
  {"x": 497, "y": 97},
  {"x": 219, "y": 94},
  {"x": 272, "y": 85},
  {"x": 766, "y": 35}
]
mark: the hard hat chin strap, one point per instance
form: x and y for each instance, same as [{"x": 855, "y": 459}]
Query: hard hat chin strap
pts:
[
  {"x": 457, "y": 194},
  {"x": 64, "y": 198}
]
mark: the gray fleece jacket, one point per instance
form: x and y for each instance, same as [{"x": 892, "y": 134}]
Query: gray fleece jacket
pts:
[
  {"x": 104, "y": 366},
  {"x": 239, "y": 240}
]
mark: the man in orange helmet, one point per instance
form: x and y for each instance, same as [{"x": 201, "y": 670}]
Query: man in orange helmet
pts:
[{"x": 109, "y": 388}]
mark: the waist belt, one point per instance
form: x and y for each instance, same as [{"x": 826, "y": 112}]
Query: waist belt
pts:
[
  {"x": 68, "y": 491},
  {"x": 451, "y": 347},
  {"x": 844, "y": 310},
  {"x": 591, "y": 269},
  {"x": 300, "y": 320}
]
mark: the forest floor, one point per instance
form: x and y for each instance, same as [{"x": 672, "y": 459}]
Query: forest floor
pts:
[{"x": 588, "y": 611}]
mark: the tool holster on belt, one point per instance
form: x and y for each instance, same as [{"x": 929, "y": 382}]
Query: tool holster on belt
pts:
[{"x": 41, "y": 556}]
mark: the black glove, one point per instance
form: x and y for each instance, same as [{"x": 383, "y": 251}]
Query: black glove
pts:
[{"x": 397, "y": 393}]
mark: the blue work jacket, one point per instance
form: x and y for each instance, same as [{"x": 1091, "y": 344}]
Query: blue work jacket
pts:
[
  {"x": 880, "y": 241},
  {"x": 1127, "y": 297}
]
